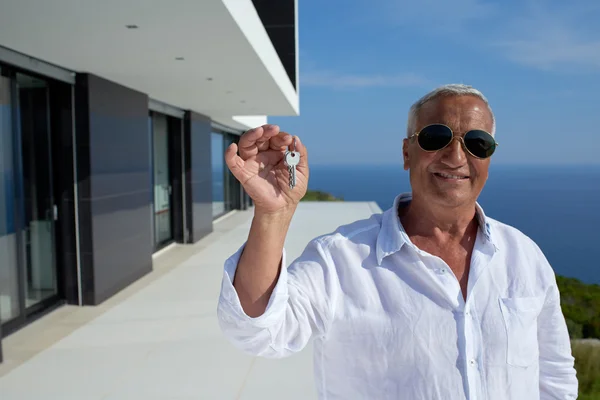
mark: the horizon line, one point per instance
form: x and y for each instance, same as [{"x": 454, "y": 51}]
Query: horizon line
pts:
[{"x": 517, "y": 164}]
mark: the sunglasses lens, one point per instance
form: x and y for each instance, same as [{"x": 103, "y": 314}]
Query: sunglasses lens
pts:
[
  {"x": 480, "y": 143},
  {"x": 434, "y": 137}
]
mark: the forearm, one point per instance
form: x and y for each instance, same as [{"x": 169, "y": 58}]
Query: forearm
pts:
[{"x": 260, "y": 263}]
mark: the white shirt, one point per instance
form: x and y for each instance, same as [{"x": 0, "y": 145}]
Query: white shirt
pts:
[{"x": 389, "y": 320}]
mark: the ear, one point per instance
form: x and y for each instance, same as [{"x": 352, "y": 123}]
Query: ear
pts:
[{"x": 405, "y": 154}]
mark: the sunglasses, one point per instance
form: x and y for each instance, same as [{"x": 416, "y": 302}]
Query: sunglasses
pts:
[{"x": 435, "y": 137}]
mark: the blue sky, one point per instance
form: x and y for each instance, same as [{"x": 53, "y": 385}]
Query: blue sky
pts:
[{"x": 364, "y": 62}]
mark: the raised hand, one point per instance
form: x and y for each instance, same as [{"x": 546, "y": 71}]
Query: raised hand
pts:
[{"x": 258, "y": 163}]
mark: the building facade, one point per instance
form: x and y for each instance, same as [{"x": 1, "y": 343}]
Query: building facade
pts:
[{"x": 114, "y": 117}]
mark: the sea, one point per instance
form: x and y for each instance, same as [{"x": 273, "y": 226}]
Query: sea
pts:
[{"x": 556, "y": 206}]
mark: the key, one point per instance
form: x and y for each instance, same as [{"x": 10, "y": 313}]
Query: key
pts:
[{"x": 292, "y": 158}]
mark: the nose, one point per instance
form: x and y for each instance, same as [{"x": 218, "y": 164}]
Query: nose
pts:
[{"x": 454, "y": 153}]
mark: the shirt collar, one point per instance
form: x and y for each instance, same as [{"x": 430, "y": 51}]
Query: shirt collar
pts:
[{"x": 392, "y": 235}]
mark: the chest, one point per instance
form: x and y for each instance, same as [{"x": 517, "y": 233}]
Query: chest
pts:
[
  {"x": 456, "y": 255},
  {"x": 406, "y": 316}
]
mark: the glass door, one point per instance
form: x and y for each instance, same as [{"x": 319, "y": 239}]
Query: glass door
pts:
[
  {"x": 10, "y": 305},
  {"x": 163, "y": 232},
  {"x": 218, "y": 174},
  {"x": 229, "y": 181},
  {"x": 39, "y": 210}
]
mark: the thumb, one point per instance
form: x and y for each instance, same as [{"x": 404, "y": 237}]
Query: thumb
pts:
[{"x": 234, "y": 162}]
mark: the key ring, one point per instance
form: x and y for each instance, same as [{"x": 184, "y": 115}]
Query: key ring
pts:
[{"x": 294, "y": 143}]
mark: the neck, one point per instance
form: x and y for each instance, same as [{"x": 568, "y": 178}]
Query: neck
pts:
[{"x": 421, "y": 218}]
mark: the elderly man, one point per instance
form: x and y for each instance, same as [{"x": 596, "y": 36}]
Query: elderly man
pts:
[{"x": 431, "y": 299}]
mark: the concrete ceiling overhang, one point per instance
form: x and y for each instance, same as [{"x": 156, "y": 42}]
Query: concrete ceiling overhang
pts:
[{"x": 211, "y": 56}]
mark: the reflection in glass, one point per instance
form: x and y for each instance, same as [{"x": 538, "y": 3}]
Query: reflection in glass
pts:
[
  {"x": 218, "y": 169},
  {"x": 9, "y": 281},
  {"x": 162, "y": 183},
  {"x": 39, "y": 210}
]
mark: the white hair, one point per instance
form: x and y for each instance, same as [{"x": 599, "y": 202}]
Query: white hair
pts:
[{"x": 445, "y": 90}]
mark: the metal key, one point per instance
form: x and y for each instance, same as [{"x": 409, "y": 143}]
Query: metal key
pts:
[{"x": 292, "y": 158}]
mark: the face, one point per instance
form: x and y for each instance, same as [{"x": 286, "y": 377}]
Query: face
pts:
[{"x": 429, "y": 170}]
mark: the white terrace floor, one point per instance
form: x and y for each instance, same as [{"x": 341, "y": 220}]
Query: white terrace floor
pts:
[{"x": 159, "y": 338}]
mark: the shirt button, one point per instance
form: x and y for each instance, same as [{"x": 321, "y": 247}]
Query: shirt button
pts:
[{"x": 473, "y": 362}]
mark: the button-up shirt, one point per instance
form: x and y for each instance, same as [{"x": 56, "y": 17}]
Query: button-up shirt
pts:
[{"x": 389, "y": 320}]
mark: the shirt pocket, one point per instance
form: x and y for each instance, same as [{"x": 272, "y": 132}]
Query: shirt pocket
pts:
[{"x": 520, "y": 320}]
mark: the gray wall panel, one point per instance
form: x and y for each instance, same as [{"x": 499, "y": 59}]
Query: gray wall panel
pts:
[
  {"x": 199, "y": 179},
  {"x": 115, "y": 204}
]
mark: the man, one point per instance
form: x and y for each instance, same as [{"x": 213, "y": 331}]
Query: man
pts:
[{"x": 430, "y": 300}]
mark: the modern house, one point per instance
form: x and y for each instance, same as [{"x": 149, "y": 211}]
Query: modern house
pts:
[{"x": 114, "y": 116}]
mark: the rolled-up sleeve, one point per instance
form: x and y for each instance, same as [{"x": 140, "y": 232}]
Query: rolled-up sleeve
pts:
[
  {"x": 299, "y": 307},
  {"x": 558, "y": 378}
]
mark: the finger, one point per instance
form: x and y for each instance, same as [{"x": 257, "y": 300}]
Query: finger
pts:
[
  {"x": 251, "y": 141},
  {"x": 247, "y": 143},
  {"x": 270, "y": 157},
  {"x": 235, "y": 163},
  {"x": 270, "y": 131},
  {"x": 281, "y": 141}
]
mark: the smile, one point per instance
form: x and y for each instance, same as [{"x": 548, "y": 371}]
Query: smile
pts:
[{"x": 450, "y": 176}]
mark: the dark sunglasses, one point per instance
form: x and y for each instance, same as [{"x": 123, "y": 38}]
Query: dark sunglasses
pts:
[{"x": 435, "y": 137}]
